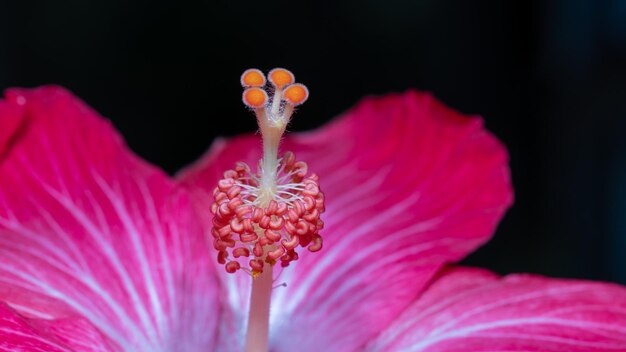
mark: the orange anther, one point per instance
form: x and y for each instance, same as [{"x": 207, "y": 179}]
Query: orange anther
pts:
[
  {"x": 281, "y": 77},
  {"x": 252, "y": 78},
  {"x": 296, "y": 94},
  {"x": 254, "y": 97}
]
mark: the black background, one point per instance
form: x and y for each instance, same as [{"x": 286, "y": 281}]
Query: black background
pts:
[{"x": 548, "y": 76}]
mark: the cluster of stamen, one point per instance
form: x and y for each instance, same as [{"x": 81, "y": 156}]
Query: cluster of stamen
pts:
[
  {"x": 245, "y": 228},
  {"x": 264, "y": 217}
]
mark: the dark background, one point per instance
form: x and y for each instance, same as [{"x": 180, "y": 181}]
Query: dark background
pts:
[{"x": 548, "y": 76}]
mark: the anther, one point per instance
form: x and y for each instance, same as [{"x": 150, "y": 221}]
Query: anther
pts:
[
  {"x": 232, "y": 267},
  {"x": 256, "y": 264},
  {"x": 248, "y": 237},
  {"x": 316, "y": 244},
  {"x": 265, "y": 222},
  {"x": 265, "y": 241},
  {"x": 291, "y": 244},
  {"x": 241, "y": 252},
  {"x": 221, "y": 257},
  {"x": 277, "y": 223},
  {"x": 275, "y": 254},
  {"x": 272, "y": 235}
]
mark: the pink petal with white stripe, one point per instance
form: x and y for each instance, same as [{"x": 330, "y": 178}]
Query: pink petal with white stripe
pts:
[
  {"x": 89, "y": 230},
  {"x": 18, "y": 333},
  {"x": 410, "y": 185},
  {"x": 474, "y": 310}
]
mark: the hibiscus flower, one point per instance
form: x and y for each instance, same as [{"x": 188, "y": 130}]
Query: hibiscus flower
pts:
[{"x": 100, "y": 251}]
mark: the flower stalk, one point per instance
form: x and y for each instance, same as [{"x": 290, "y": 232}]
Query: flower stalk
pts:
[{"x": 258, "y": 317}]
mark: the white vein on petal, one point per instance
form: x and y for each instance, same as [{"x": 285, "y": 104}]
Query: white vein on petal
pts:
[
  {"x": 337, "y": 311},
  {"x": 394, "y": 333},
  {"x": 88, "y": 313},
  {"x": 33, "y": 337},
  {"x": 339, "y": 247},
  {"x": 30, "y": 311},
  {"x": 164, "y": 258},
  {"x": 469, "y": 330},
  {"x": 64, "y": 200},
  {"x": 282, "y": 297},
  {"x": 122, "y": 213},
  {"x": 552, "y": 291}
]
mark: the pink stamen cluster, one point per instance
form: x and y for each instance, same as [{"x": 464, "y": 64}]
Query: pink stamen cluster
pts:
[{"x": 245, "y": 230}]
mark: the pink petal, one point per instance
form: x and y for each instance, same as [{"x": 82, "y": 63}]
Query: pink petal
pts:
[
  {"x": 89, "y": 230},
  {"x": 18, "y": 333},
  {"x": 474, "y": 310},
  {"x": 12, "y": 120},
  {"x": 410, "y": 185}
]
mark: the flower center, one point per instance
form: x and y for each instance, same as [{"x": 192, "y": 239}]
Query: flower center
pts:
[{"x": 264, "y": 216}]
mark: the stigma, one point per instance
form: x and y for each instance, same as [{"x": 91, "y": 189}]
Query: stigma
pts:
[{"x": 264, "y": 217}]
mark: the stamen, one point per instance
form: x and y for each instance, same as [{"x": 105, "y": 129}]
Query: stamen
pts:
[
  {"x": 264, "y": 217},
  {"x": 283, "y": 284},
  {"x": 247, "y": 224}
]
